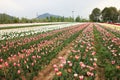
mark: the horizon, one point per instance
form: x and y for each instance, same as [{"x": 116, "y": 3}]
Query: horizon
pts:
[{"x": 30, "y": 9}]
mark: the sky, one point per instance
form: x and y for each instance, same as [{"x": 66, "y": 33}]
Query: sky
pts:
[{"x": 30, "y": 8}]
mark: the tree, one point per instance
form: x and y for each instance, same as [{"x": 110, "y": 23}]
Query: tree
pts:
[
  {"x": 95, "y": 15},
  {"x": 118, "y": 16},
  {"x": 78, "y": 19},
  {"x": 16, "y": 20},
  {"x": 110, "y": 14}
]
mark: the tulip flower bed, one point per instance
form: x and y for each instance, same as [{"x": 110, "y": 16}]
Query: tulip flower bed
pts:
[
  {"x": 27, "y": 59},
  {"x": 21, "y": 32},
  {"x": 110, "y": 53},
  {"x": 8, "y": 47},
  {"x": 95, "y": 56},
  {"x": 114, "y": 31},
  {"x": 81, "y": 62},
  {"x": 114, "y": 28}
]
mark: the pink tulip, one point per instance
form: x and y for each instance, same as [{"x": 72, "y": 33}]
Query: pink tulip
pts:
[
  {"x": 94, "y": 64},
  {"x": 93, "y": 53},
  {"x": 56, "y": 69},
  {"x": 54, "y": 66},
  {"x": 25, "y": 62},
  {"x": 88, "y": 73},
  {"x": 1, "y": 60},
  {"x": 32, "y": 64},
  {"x": 81, "y": 77},
  {"x": 76, "y": 57},
  {"x": 18, "y": 71},
  {"x": 64, "y": 62},
  {"x": 14, "y": 64},
  {"x": 113, "y": 62},
  {"x": 18, "y": 65},
  {"x": 61, "y": 65},
  {"x": 70, "y": 64},
  {"x": 60, "y": 58},
  {"x": 33, "y": 57},
  {"x": 6, "y": 64}
]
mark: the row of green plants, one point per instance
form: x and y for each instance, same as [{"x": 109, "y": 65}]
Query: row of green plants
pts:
[
  {"x": 113, "y": 31},
  {"x": 27, "y": 67},
  {"x": 108, "y": 53},
  {"x": 95, "y": 56},
  {"x": 13, "y": 48},
  {"x": 81, "y": 62}
]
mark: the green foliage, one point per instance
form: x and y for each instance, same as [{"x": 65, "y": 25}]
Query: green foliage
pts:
[
  {"x": 95, "y": 15},
  {"x": 78, "y": 19},
  {"x": 108, "y": 14},
  {"x": 4, "y": 19}
]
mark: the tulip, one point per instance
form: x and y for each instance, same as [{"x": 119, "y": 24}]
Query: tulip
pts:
[
  {"x": 60, "y": 58},
  {"x": 64, "y": 62},
  {"x": 95, "y": 59},
  {"x": 75, "y": 75},
  {"x": 94, "y": 64},
  {"x": 69, "y": 70},
  {"x": 88, "y": 73},
  {"x": 6, "y": 64},
  {"x": 14, "y": 64},
  {"x": 1, "y": 60},
  {"x": 33, "y": 57},
  {"x": 32, "y": 64},
  {"x": 76, "y": 57},
  {"x": 118, "y": 67},
  {"x": 93, "y": 53},
  {"x": 18, "y": 71},
  {"x": 59, "y": 73},
  {"x": 91, "y": 59},
  {"x": 56, "y": 69},
  {"x": 81, "y": 77},
  {"x": 113, "y": 62},
  {"x": 54, "y": 66},
  {"x": 61, "y": 65},
  {"x": 70, "y": 64},
  {"x": 18, "y": 65}
]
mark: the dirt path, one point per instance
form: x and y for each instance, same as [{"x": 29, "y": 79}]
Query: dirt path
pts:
[{"x": 48, "y": 72}]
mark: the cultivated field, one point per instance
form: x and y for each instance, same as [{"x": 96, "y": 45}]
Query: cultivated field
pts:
[{"x": 60, "y": 51}]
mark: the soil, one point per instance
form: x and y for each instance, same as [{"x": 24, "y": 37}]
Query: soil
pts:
[{"x": 48, "y": 72}]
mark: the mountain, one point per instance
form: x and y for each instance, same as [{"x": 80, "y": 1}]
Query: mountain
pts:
[
  {"x": 45, "y": 15},
  {"x": 6, "y": 16}
]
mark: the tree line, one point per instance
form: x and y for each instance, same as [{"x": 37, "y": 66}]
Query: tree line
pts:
[
  {"x": 108, "y": 14},
  {"x": 5, "y": 18}
]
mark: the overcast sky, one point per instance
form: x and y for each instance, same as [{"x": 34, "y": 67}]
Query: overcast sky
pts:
[{"x": 29, "y": 8}]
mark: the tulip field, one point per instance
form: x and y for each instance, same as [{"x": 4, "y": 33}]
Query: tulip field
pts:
[{"x": 69, "y": 51}]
